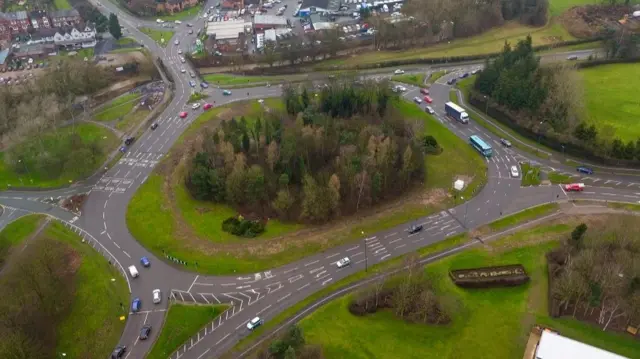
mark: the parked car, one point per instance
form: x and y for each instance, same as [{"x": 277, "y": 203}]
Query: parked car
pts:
[
  {"x": 464, "y": 75},
  {"x": 118, "y": 352},
  {"x": 207, "y": 106},
  {"x": 192, "y": 74},
  {"x": 424, "y": 91},
  {"x": 136, "y": 305},
  {"x": 183, "y": 114},
  {"x": 417, "y": 100},
  {"x": 415, "y": 229},
  {"x": 190, "y": 31},
  {"x": 145, "y": 262},
  {"x": 343, "y": 262},
  {"x": 429, "y": 110},
  {"x": 144, "y": 332},
  {"x": 505, "y": 142},
  {"x": 514, "y": 171},
  {"x": 572, "y": 57},
  {"x": 585, "y": 170},
  {"x": 574, "y": 187},
  {"x": 157, "y": 296},
  {"x": 451, "y": 81},
  {"x": 254, "y": 323}
]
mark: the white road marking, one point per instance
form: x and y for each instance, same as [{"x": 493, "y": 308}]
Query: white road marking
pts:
[
  {"x": 311, "y": 263},
  {"x": 395, "y": 240},
  {"x": 127, "y": 254},
  {"x": 263, "y": 309},
  {"x": 331, "y": 256},
  {"x": 353, "y": 248},
  {"x": 400, "y": 246},
  {"x": 327, "y": 281},
  {"x": 225, "y": 337},
  {"x": 283, "y": 298},
  {"x": 304, "y": 286},
  {"x": 385, "y": 256},
  {"x": 194, "y": 282}
]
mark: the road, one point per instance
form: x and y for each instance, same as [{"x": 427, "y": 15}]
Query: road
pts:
[{"x": 102, "y": 222}]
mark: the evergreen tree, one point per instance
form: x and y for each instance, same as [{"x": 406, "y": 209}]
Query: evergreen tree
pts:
[{"x": 114, "y": 26}]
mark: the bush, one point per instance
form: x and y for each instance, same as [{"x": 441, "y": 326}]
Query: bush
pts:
[{"x": 242, "y": 227}]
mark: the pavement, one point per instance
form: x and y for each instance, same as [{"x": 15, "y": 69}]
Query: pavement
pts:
[{"x": 102, "y": 221}]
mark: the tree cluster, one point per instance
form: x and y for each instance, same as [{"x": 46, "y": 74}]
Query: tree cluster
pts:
[
  {"x": 595, "y": 275},
  {"x": 238, "y": 226},
  {"x": 114, "y": 26},
  {"x": 33, "y": 111},
  {"x": 335, "y": 153},
  {"x": 291, "y": 345},
  {"x": 38, "y": 291},
  {"x": 88, "y": 12},
  {"x": 410, "y": 295}
]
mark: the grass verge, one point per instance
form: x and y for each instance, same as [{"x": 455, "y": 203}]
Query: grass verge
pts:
[
  {"x": 523, "y": 216},
  {"x": 62, "y": 4},
  {"x": 15, "y": 233},
  {"x": 182, "y": 15},
  {"x": 181, "y": 323},
  {"x": 435, "y": 76},
  {"x": 117, "y": 108},
  {"x": 233, "y": 80},
  {"x": 559, "y": 178},
  {"x": 530, "y": 175},
  {"x": 197, "y": 96},
  {"x": 162, "y": 37},
  {"x": 411, "y": 79}
]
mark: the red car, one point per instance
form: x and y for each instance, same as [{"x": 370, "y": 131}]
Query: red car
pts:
[
  {"x": 424, "y": 91},
  {"x": 428, "y": 99},
  {"x": 574, "y": 187},
  {"x": 183, "y": 114},
  {"x": 207, "y": 106}
]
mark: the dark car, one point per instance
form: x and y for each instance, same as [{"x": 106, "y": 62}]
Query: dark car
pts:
[
  {"x": 154, "y": 126},
  {"x": 464, "y": 75},
  {"x": 585, "y": 170},
  {"x": 118, "y": 352},
  {"x": 451, "y": 81},
  {"x": 129, "y": 141},
  {"x": 144, "y": 332},
  {"x": 204, "y": 85},
  {"x": 145, "y": 262},
  {"x": 136, "y": 304},
  {"x": 415, "y": 229},
  {"x": 123, "y": 149},
  {"x": 505, "y": 142}
]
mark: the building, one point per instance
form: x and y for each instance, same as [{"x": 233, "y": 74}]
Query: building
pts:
[
  {"x": 555, "y": 346},
  {"x": 74, "y": 37},
  {"x": 264, "y": 22},
  {"x": 33, "y": 51},
  {"x": 320, "y": 22},
  {"x": 232, "y": 4},
  {"x": 309, "y": 7},
  {"x": 39, "y": 19},
  {"x": 16, "y": 22},
  {"x": 173, "y": 6},
  {"x": 227, "y": 36},
  {"x": 4, "y": 58},
  {"x": 42, "y": 36},
  {"x": 62, "y": 18}
]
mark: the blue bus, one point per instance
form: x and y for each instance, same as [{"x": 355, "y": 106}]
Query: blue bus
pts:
[{"x": 481, "y": 146}]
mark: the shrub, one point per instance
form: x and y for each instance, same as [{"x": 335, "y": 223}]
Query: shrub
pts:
[{"x": 242, "y": 227}]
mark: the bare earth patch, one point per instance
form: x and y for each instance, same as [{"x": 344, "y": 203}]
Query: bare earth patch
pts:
[{"x": 590, "y": 20}]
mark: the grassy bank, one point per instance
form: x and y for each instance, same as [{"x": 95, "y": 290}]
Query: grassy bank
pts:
[
  {"x": 117, "y": 108},
  {"x": 559, "y": 178},
  {"x": 15, "y": 233},
  {"x": 530, "y": 175},
  {"x": 523, "y": 216},
  {"x": 411, "y": 79},
  {"x": 182, "y": 15},
  {"x": 181, "y": 323},
  {"x": 162, "y": 37}
]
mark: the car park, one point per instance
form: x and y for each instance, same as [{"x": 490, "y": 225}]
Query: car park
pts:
[
  {"x": 343, "y": 262},
  {"x": 428, "y": 99},
  {"x": 254, "y": 323},
  {"x": 430, "y": 110},
  {"x": 415, "y": 229},
  {"x": 574, "y": 187},
  {"x": 585, "y": 170},
  {"x": 514, "y": 171},
  {"x": 136, "y": 305},
  {"x": 118, "y": 352},
  {"x": 398, "y": 72},
  {"x": 154, "y": 126},
  {"x": 226, "y": 92},
  {"x": 195, "y": 106},
  {"x": 183, "y": 114},
  {"x": 424, "y": 91},
  {"x": 157, "y": 296},
  {"x": 145, "y": 262},
  {"x": 505, "y": 142},
  {"x": 417, "y": 100},
  {"x": 159, "y": 21},
  {"x": 145, "y": 331},
  {"x": 206, "y": 106}
]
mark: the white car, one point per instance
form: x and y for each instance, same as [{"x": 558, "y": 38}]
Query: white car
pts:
[
  {"x": 183, "y": 70},
  {"x": 178, "y": 22},
  {"x": 254, "y": 323},
  {"x": 182, "y": 60},
  {"x": 514, "y": 171},
  {"x": 398, "y": 72},
  {"x": 195, "y": 106},
  {"x": 261, "y": 101},
  {"x": 157, "y": 298},
  {"x": 159, "y": 21},
  {"x": 429, "y": 110},
  {"x": 343, "y": 262},
  {"x": 179, "y": 51},
  {"x": 417, "y": 100},
  {"x": 177, "y": 42}
]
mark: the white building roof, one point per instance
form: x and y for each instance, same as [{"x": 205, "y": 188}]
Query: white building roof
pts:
[
  {"x": 554, "y": 346},
  {"x": 269, "y": 20},
  {"x": 225, "y": 30},
  {"x": 270, "y": 35}
]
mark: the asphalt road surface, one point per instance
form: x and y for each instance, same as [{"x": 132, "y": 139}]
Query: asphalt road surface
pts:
[{"x": 265, "y": 294}]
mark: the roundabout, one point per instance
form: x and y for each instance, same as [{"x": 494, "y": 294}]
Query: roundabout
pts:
[{"x": 267, "y": 293}]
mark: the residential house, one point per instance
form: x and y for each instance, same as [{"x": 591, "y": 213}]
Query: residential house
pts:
[
  {"x": 232, "y": 4},
  {"x": 73, "y": 37},
  {"x": 173, "y": 6},
  {"x": 39, "y": 19},
  {"x": 43, "y": 36},
  {"x": 17, "y": 22},
  {"x": 62, "y": 18}
]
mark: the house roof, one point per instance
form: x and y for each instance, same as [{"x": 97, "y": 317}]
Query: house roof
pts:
[
  {"x": 554, "y": 346},
  {"x": 38, "y": 13},
  {"x": 3, "y": 56},
  {"x": 269, "y": 20},
  {"x": 18, "y": 15},
  {"x": 225, "y": 30},
  {"x": 42, "y": 33}
]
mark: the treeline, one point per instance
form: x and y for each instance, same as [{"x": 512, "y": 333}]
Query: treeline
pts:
[
  {"x": 290, "y": 345},
  {"x": 410, "y": 296},
  {"x": 329, "y": 155},
  {"x": 38, "y": 291},
  {"x": 595, "y": 275},
  {"x": 90, "y": 14}
]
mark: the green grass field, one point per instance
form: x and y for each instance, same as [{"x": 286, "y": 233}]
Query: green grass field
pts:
[
  {"x": 411, "y": 79},
  {"x": 523, "y": 216},
  {"x": 61, "y": 4},
  {"x": 182, "y": 15},
  {"x": 162, "y": 37},
  {"x": 31, "y": 179},
  {"x": 151, "y": 220},
  {"x": 610, "y": 99},
  {"x": 181, "y": 323},
  {"x": 494, "y": 322},
  {"x": 117, "y": 108},
  {"x": 530, "y": 175},
  {"x": 233, "y": 80},
  {"x": 126, "y": 41},
  {"x": 16, "y": 232}
]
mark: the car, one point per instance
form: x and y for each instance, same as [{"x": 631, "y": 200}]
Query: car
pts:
[
  {"x": 514, "y": 171},
  {"x": 123, "y": 149},
  {"x": 451, "y": 81},
  {"x": 429, "y": 110},
  {"x": 154, "y": 126},
  {"x": 464, "y": 75},
  {"x": 118, "y": 352},
  {"x": 183, "y": 114},
  {"x": 195, "y": 106},
  {"x": 190, "y": 31},
  {"x": 207, "y": 106},
  {"x": 261, "y": 101},
  {"x": 585, "y": 170},
  {"x": 183, "y": 70},
  {"x": 136, "y": 304},
  {"x": 189, "y": 24},
  {"x": 415, "y": 229},
  {"x": 180, "y": 52},
  {"x": 177, "y": 42},
  {"x": 428, "y": 99},
  {"x": 182, "y": 59},
  {"x": 144, "y": 332},
  {"x": 398, "y": 72},
  {"x": 505, "y": 142},
  {"x": 192, "y": 74},
  {"x": 572, "y": 57},
  {"x": 417, "y": 100},
  {"x": 226, "y": 92},
  {"x": 574, "y": 187},
  {"x": 204, "y": 85},
  {"x": 476, "y": 71},
  {"x": 424, "y": 91},
  {"x": 343, "y": 262},
  {"x": 145, "y": 262},
  {"x": 129, "y": 140},
  {"x": 159, "y": 21},
  {"x": 178, "y": 22},
  {"x": 254, "y": 323},
  {"x": 192, "y": 83},
  {"x": 157, "y": 297}
]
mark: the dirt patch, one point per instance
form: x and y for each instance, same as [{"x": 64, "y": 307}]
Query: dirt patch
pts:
[
  {"x": 74, "y": 203},
  {"x": 591, "y": 20}
]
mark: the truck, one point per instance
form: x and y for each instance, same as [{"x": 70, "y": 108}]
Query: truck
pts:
[{"x": 456, "y": 112}]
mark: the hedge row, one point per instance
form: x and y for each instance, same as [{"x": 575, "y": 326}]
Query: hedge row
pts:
[{"x": 502, "y": 276}]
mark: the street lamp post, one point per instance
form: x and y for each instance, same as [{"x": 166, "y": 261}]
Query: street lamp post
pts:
[{"x": 366, "y": 260}]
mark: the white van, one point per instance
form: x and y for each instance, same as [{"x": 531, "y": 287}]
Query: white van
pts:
[{"x": 133, "y": 271}]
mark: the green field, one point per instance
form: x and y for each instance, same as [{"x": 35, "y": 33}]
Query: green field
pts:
[
  {"x": 153, "y": 222},
  {"x": 181, "y": 323},
  {"x": 117, "y": 108},
  {"x": 15, "y": 233},
  {"x": 411, "y": 79},
  {"x": 182, "y": 15},
  {"x": 530, "y": 175},
  {"x": 61, "y": 4},
  {"x": 611, "y": 101},
  {"x": 494, "y": 322},
  {"x": 162, "y": 37},
  {"x": 90, "y": 133},
  {"x": 126, "y": 41},
  {"x": 234, "y": 80},
  {"x": 523, "y": 216}
]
